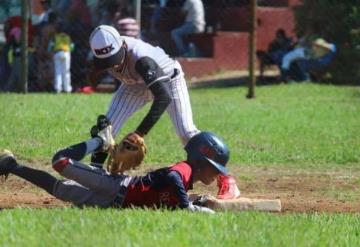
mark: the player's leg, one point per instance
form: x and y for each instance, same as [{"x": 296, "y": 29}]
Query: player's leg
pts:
[
  {"x": 79, "y": 151},
  {"x": 66, "y": 77},
  {"x": 57, "y": 72},
  {"x": 42, "y": 179},
  {"x": 71, "y": 191},
  {"x": 66, "y": 162},
  {"x": 180, "y": 108},
  {"x": 65, "y": 190},
  {"x": 178, "y": 35},
  {"x": 126, "y": 101},
  {"x": 96, "y": 179},
  {"x": 292, "y": 56}
]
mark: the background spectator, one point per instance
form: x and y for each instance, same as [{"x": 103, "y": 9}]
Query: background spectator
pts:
[
  {"x": 43, "y": 56},
  {"x": 61, "y": 47},
  {"x": 276, "y": 51},
  {"x": 194, "y": 23},
  {"x": 44, "y": 17},
  {"x": 320, "y": 56},
  {"x": 14, "y": 57},
  {"x": 125, "y": 24}
]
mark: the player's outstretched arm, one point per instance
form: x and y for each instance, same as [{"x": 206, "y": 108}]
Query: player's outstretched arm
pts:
[{"x": 175, "y": 180}]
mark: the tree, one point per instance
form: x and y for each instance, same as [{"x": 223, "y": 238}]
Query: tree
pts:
[{"x": 337, "y": 21}]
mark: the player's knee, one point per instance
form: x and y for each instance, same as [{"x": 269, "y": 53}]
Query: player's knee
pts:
[
  {"x": 57, "y": 156},
  {"x": 59, "y": 162}
]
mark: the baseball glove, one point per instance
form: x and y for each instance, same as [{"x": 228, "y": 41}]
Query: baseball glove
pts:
[{"x": 126, "y": 155}]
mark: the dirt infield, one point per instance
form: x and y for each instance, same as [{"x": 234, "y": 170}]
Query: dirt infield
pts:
[{"x": 299, "y": 191}]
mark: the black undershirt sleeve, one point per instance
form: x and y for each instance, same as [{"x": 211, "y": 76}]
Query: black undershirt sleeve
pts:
[
  {"x": 174, "y": 179},
  {"x": 158, "y": 84}
]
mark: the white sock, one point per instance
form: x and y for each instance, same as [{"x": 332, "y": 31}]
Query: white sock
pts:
[{"x": 93, "y": 144}]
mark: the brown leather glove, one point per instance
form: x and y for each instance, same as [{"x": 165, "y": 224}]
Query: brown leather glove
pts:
[{"x": 126, "y": 155}]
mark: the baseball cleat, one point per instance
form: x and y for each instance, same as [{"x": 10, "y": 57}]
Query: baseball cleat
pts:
[
  {"x": 227, "y": 187},
  {"x": 7, "y": 161},
  {"x": 102, "y": 123},
  {"x": 103, "y": 129},
  {"x": 106, "y": 137}
]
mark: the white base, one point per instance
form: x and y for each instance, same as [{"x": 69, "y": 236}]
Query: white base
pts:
[{"x": 244, "y": 204}]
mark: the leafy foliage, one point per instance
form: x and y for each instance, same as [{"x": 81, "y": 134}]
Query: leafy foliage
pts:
[{"x": 337, "y": 21}]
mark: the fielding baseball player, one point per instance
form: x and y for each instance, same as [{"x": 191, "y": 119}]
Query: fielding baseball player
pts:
[
  {"x": 207, "y": 156},
  {"x": 147, "y": 74}
]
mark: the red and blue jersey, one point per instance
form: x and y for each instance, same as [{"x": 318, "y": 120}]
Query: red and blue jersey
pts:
[{"x": 165, "y": 187}]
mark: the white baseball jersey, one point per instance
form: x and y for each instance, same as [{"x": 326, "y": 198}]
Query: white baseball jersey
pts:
[{"x": 146, "y": 65}]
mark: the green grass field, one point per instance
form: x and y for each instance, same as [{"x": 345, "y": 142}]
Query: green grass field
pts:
[
  {"x": 297, "y": 125},
  {"x": 74, "y": 227},
  {"x": 302, "y": 126}
]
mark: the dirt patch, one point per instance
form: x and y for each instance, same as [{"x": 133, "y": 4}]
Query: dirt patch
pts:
[{"x": 299, "y": 190}]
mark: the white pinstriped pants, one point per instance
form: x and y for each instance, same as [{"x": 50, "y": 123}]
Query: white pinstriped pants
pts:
[{"x": 130, "y": 98}]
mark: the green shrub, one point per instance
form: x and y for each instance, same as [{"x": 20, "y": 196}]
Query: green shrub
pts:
[{"x": 337, "y": 21}]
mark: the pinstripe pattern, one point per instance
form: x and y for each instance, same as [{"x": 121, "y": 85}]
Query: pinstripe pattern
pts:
[
  {"x": 180, "y": 109},
  {"x": 126, "y": 101},
  {"x": 130, "y": 98}
]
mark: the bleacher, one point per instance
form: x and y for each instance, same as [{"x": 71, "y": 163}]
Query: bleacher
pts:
[{"x": 225, "y": 47}]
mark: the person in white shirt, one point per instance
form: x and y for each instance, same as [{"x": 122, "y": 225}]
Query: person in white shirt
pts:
[{"x": 194, "y": 23}]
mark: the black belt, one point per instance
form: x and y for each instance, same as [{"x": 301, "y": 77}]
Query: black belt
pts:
[{"x": 175, "y": 73}]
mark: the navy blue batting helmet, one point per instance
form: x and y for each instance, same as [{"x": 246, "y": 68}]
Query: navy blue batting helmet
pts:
[{"x": 207, "y": 147}]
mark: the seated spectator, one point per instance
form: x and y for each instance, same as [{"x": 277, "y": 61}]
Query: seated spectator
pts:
[
  {"x": 304, "y": 61},
  {"x": 276, "y": 51},
  {"x": 194, "y": 23}
]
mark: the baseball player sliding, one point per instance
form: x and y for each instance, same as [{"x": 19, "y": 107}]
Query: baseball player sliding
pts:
[
  {"x": 147, "y": 74},
  {"x": 85, "y": 185}
]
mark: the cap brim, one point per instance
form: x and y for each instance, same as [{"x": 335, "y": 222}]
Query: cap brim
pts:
[
  {"x": 222, "y": 169},
  {"x": 105, "y": 63}
]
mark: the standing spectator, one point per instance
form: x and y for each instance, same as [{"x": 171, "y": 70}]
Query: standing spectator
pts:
[
  {"x": 194, "y": 23},
  {"x": 14, "y": 57},
  {"x": 43, "y": 56},
  {"x": 4, "y": 66},
  {"x": 80, "y": 8},
  {"x": 61, "y": 47}
]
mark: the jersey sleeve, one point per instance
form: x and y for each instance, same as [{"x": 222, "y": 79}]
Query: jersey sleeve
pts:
[
  {"x": 174, "y": 179},
  {"x": 158, "y": 84}
]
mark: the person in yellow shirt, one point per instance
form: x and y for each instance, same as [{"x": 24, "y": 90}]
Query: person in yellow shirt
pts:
[{"x": 61, "y": 46}]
